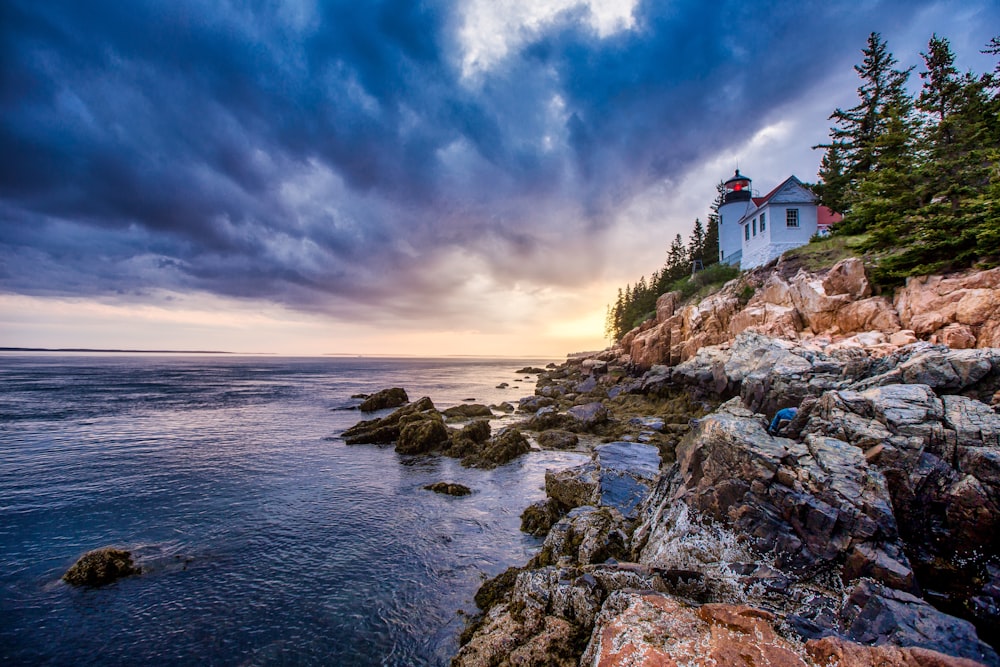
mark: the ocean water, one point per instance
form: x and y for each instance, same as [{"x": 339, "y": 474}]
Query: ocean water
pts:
[{"x": 265, "y": 540}]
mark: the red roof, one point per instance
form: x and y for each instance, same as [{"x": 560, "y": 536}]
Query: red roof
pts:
[
  {"x": 759, "y": 201},
  {"x": 826, "y": 217}
]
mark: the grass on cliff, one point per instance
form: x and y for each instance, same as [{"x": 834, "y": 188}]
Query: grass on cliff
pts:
[
  {"x": 823, "y": 253},
  {"x": 705, "y": 282}
]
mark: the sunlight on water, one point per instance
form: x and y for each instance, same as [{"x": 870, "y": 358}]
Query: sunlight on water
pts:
[{"x": 264, "y": 539}]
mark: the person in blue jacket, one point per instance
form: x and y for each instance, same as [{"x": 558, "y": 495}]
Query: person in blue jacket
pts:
[{"x": 784, "y": 414}]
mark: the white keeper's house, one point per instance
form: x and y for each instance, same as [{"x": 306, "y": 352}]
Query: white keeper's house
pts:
[{"x": 755, "y": 230}]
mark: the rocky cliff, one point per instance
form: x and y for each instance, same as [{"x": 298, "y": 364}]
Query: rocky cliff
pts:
[
  {"x": 833, "y": 306},
  {"x": 864, "y": 533}
]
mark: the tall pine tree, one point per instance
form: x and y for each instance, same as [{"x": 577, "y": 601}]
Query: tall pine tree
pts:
[{"x": 857, "y": 135}]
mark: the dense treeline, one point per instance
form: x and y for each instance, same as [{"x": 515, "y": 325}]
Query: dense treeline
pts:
[
  {"x": 637, "y": 302},
  {"x": 918, "y": 175}
]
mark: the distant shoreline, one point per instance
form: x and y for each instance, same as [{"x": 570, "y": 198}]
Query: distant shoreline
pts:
[{"x": 117, "y": 351}]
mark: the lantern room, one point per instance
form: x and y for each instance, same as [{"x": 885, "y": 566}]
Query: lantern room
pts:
[{"x": 737, "y": 188}]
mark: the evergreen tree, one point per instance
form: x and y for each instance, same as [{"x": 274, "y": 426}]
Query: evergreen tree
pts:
[
  {"x": 834, "y": 182},
  {"x": 696, "y": 244},
  {"x": 711, "y": 254},
  {"x": 677, "y": 266},
  {"x": 888, "y": 194},
  {"x": 856, "y": 137}
]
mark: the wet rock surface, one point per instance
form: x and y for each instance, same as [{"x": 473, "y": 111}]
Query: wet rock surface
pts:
[
  {"x": 865, "y": 532},
  {"x": 419, "y": 428},
  {"x": 449, "y": 489},
  {"x": 386, "y": 398},
  {"x": 101, "y": 567}
]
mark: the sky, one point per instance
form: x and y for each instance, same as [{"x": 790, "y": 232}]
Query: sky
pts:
[{"x": 396, "y": 176}]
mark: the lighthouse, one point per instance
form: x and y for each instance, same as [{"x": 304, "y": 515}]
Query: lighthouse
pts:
[{"x": 736, "y": 203}]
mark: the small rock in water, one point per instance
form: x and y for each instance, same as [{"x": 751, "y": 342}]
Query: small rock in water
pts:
[
  {"x": 387, "y": 398},
  {"x": 502, "y": 385},
  {"x": 101, "y": 566},
  {"x": 467, "y": 411},
  {"x": 449, "y": 489}
]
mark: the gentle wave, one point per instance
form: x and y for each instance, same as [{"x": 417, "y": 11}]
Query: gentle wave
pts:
[{"x": 265, "y": 539}]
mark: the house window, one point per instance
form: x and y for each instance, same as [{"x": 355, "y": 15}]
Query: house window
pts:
[
  {"x": 755, "y": 226},
  {"x": 762, "y": 223},
  {"x": 746, "y": 232},
  {"x": 792, "y": 217}
]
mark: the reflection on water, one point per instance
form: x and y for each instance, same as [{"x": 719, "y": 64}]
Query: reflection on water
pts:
[{"x": 265, "y": 539}]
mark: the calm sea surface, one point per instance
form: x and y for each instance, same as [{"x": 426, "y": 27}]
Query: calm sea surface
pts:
[{"x": 265, "y": 539}]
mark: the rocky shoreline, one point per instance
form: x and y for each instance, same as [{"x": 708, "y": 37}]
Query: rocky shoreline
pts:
[{"x": 864, "y": 533}]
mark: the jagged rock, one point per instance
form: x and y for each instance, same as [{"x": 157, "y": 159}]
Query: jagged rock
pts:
[
  {"x": 930, "y": 303},
  {"x": 101, "y": 566},
  {"x": 467, "y": 411},
  {"x": 812, "y": 503},
  {"x": 646, "y": 628},
  {"x": 548, "y": 615},
  {"x": 652, "y": 423},
  {"x": 769, "y": 373},
  {"x": 386, "y": 398},
  {"x": 938, "y": 367},
  {"x": 874, "y": 614},
  {"x": 557, "y": 439},
  {"x": 503, "y": 448},
  {"x": 586, "y": 535},
  {"x": 422, "y": 436},
  {"x": 387, "y": 429},
  {"x": 620, "y": 476},
  {"x": 534, "y": 403},
  {"x": 530, "y": 370},
  {"x": 539, "y": 517},
  {"x": 843, "y": 653},
  {"x": 503, "y": 407},
  {"x": 589, "y": 414},
  {"x": 957, "y": 336}
]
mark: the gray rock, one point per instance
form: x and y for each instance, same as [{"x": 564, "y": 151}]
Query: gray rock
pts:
[
  {"x": 874, "y": 614},
  {"x": 589, "y": 414},
  {"x": 651, "y": 423},
  {"x": 812, "y": 503},
  {"x": 620, "y": 476},
  {"x": 557, "y": 439},
  {"x": 627, "y": 473},
  {"x": 585, "y": 535},
  {"x": 534, "y": 403}
]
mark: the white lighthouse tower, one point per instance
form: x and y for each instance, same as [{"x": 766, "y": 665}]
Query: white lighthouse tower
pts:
[{"x": 735, "y": 204}]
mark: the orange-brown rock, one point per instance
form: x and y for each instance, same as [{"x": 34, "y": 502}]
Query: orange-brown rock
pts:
[
  {"x": 958, "y": 311},
  {"x": 930, "y": 304},
  {"x": 655, "y": 629},
  {"x": 836, "y": 651}
]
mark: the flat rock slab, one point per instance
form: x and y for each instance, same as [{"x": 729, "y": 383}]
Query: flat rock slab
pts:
[{"x": 627, "y": 473}]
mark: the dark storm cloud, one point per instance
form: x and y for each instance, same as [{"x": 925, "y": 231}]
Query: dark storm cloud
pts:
[{"x": 297, "y": 153}]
